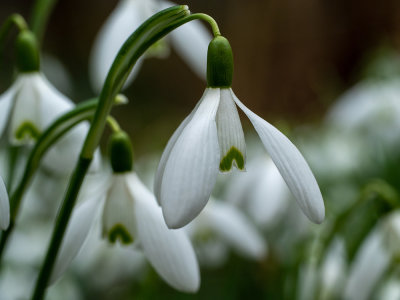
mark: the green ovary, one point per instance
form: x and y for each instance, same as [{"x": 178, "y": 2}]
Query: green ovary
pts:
[
  {"x": 118, "y": 231},
  {"x": 227, "y": 161},
  {"x": 26, "y": 131}
]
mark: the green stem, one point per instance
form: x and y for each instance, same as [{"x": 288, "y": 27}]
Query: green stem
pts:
[
  {"x": 40, "y": 16},
  {"x": 210, "y": 20},
  {"x": 13, "y": 155},
  {"x": 146, "y": 35},
  {"x": 61, "y": 225},
  {"x": 113, "y": 124}
]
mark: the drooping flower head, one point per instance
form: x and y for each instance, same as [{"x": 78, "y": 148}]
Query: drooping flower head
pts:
[
  {"x": 130, "y": 216},
  {"x": 32, "y": 103},
  {"x": 211, "y": 140}
]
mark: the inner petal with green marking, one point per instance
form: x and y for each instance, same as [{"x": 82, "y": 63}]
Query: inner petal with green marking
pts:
[
  {"x": 26, "y": 131},
  {"x": 118, "y": 231},
  {"x": 234, "y": 156}
]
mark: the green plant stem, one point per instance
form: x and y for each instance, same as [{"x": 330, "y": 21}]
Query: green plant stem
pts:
[
  {"x": 61, "y": 225},
  {"x": 146, "y": 35},
  {"x": 40, "y": 16},
  {"x": 210, "y": 20}
]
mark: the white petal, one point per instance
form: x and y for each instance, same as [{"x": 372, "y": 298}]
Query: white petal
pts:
[
  {"x": 230, "y": 133},
  {"x": 118, "y": 217},
  {"x": 169, "y": 251},
  {"x": 76, "y": 233},
  {"x": 192, "y": 166},
  {"x": 36, "y": 102},
  {"x": 6, "y": 101},
  {"x": 126, "y": 17},
  {"x": 291, "y": 164},
  {"x": 167, "y": 152},
  {"x": 4, "y": 206},
  {"x": 234, "y": 228}
]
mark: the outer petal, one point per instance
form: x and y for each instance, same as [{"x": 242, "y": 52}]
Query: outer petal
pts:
[
  {"x": 235, "y": 229},
  {"x": 118, "y": 218},
  {"x": 191, "y": 42},
  {"x": 192, "y": 167},
  {"x": 230, "y": 133},
  {"x": 123, "y": 21},
  {"x": 169, "y": 251},
  {"x": 4, "y": 206},
  {"x": 291, "y": 164},
  {"x": 166, "y": 154},
  {"x": 76, "y": 234}
]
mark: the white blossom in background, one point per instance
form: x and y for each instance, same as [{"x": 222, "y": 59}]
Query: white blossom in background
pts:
[
  {"x": 190, "y": 40},
  {"x": 369, "y": 265},
  {"x": 211, "y": 139},
  {"x": 130, "y": 212},
  {"x": 333, "y": 271},
  {"x": 221, "y": 225},
  {"x": 372, "y": 108},
  {"x": 28, "y": 107}
]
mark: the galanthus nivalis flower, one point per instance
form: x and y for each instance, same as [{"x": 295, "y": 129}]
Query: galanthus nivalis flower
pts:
[
  {"x": 211, "y": 139},
  {"x": 28, "y": 107},
  {"x": 4, "y": 206},
  {"x": 130, "y": 213},
  {"x": 190, "y": 40}
]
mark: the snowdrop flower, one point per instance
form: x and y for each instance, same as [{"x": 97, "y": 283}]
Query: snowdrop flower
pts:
[
  {"x": 130, "y": 213},
  {"x": 372, "y": 108},
  {"x": 223, "y": 221},
  {"x": 31, "y": 104},
  {"x": 190, "y": 40},
  {"x": 211, "y": 139}
]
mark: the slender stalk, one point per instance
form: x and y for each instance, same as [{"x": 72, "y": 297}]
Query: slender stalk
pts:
[
  {"x": 40, "y": 16},
  {"x": 61, "y": 224},
  {"x": 146, "y": 35},
  {"x": 210, "y": 20}
]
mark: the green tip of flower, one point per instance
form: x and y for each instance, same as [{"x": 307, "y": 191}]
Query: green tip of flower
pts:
[
  {"x": 219, "y": 63},
  {"x": 227, "y": 161},
  {"x": 27, "y": 131},
  {"x": 118, "y": 231},
  {"x": 27, "y": 50},
  {"x": 121, "y": 152}
]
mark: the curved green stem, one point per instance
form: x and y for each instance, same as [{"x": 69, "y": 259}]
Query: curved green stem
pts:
[
  {"x": 40, "y": 16},
  {"x": 113, "y": 124},
  {"x": 13, "y": 20},
  {"x": 210, "y": 20}
]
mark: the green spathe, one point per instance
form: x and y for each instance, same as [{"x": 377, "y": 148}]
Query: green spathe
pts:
[
  {"x": 219, "y": 63},
  {"x": 121, "y": 152},
  {"x": 226, "y": 162},
  {"x": 26, "y": 131},
  {"x": 118, "y": 231},
  {"x": 27, "y": 52}
]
